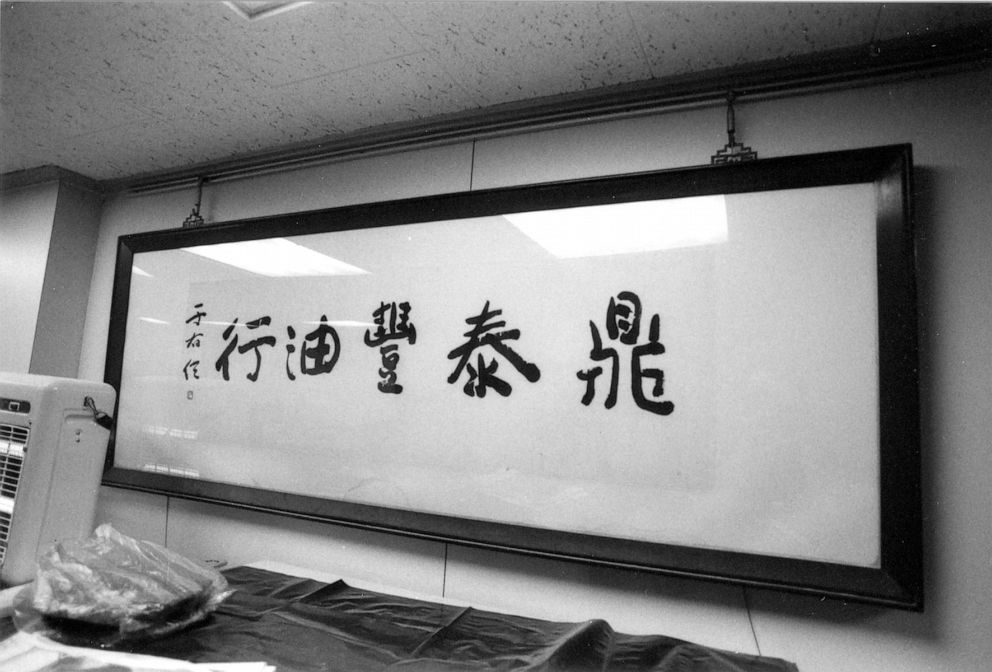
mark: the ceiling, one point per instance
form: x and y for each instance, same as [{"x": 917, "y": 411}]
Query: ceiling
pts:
[{"x": 125, "y": 92}]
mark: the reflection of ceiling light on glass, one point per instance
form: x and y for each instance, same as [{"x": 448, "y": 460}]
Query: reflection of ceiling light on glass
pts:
[
  {"x": 347, "y": 324},
  {"x": 152, "y": 320},
  {"x": 137, "y": 271},
  {"x": 624, "y": 228},
  {"x": 275, "y": 257},
  {"x": 332, "y": 323}
]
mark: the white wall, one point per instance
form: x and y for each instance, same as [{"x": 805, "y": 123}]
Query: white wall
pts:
[
  {"x": 25, "y": 233},
  {"x": 949, "y": 121},
  {"x": 48, "y": 234}
]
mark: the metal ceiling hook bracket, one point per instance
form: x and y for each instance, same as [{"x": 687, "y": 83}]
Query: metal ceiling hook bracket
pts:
[
  {"x": 733, "y": 151},
  {"x": 194, "y": 218}
]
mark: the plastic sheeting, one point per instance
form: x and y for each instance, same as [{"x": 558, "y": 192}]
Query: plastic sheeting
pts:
[
  {"x": 305, "y": 625},
  {"x": 111, "y": 588}
]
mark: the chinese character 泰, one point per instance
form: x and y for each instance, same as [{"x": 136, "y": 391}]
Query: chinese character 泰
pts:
[{"x": 483, "y": 376}]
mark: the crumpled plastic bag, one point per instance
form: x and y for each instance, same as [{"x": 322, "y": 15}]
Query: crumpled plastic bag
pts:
[{"x": 110, "y": 588}]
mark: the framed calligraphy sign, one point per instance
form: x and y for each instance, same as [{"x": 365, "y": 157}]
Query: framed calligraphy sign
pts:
[{"x": 707, "y": 372}]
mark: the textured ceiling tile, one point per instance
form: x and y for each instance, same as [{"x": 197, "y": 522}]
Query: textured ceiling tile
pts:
[
  {"x": 316, "y": 39},
  {"x": 118, "y": 89},
  {"x": 506, "y": 51},
  {"x": 20, "y": 152},
  {"x": 57, "y": 108},
  {"x": 49, "y": 77},
  {"x": 107, "y": 154},
  {"x": 409, "y": 88},
  {"x": 403, "y": 89},
  {"x": 682, "y": 37},
  {"x": 86, "y": 55},
  {"x": 911, "y": 19},
  {"x": 268, "y": 124}
]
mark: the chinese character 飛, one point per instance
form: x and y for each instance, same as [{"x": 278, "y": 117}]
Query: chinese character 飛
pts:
[{"x": 623, "y": 319}]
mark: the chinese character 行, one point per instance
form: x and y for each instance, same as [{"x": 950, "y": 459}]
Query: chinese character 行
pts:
[{"x": 222, "y": 362}]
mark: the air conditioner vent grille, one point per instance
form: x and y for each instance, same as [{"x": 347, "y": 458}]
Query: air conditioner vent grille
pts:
[
  {"x": 13, "y": 436},
  {"x": 4, "y": 533},
  {"x": 13, "y": 443},
  {"x": 10, "y": 474}
]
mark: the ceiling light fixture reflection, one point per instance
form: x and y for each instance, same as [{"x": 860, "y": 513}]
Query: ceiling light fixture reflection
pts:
[
  {"x": 259, "y": 9},
  {"x": 626, "y": 228},
  {"x": 347, "y": 324},
  {"x": 276, "y": 258}
]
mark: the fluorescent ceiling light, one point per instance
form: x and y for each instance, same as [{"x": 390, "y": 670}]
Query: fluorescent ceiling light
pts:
[
  {"x": 626, "y": 228},
  {"x": 275, "y": 257},
  {"x": 259, "y": 9}
]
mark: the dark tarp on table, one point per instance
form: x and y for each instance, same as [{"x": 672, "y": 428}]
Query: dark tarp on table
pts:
[{"x": 304, "y": 625}]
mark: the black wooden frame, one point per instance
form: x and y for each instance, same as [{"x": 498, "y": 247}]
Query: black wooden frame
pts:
[{"x": 897, "y": 582}]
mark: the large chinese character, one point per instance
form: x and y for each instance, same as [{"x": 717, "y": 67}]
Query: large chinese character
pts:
[
  {"x": 392, "y": 324},
  {"x": 222, "y": 362},
  {"x": 623, "y": 318},
  {"x": 482, "y": 376},
  {"x": 319, "y": 353},
  {"x": 321, "y": 349}
]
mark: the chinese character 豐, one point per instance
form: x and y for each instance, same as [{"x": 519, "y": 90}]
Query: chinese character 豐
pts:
[{"x": 393, "y": 323}]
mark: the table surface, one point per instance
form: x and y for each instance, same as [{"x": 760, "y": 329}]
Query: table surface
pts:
[{"x": 307, "y": 621}]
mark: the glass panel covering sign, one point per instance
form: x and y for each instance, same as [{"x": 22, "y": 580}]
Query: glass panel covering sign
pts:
[{"x": 637, "y": 369}]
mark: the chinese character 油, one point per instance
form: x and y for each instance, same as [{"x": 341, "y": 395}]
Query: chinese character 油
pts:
[{"x": 320, "y": 351}]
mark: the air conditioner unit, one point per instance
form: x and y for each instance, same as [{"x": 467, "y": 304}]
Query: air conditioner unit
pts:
[{"x": 53, "y": 442}]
